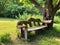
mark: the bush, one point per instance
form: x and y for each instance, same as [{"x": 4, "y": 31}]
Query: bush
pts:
[
  {"x": 25, "y": 16},
  {"x": 56, "y": 19},
  {"x": 58, "y": 13},
  {"x": 5, "y": 39}
]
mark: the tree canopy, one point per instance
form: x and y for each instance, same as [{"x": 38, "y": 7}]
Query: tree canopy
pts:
[{"x": 12, "y": 8}]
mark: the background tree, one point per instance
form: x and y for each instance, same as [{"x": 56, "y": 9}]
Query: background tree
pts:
[
  {"x": 15, "y": 8},
  {"x": 9, "y": 8},
  {"x": 49, "y": 9}
]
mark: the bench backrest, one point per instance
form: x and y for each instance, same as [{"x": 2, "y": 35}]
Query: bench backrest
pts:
[{"x": 31, "y": 22}]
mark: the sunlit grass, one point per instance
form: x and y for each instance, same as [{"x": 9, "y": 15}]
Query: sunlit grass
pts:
[
  {"x": 7, "y": 19},
  {"x": 8, "y": 27}
]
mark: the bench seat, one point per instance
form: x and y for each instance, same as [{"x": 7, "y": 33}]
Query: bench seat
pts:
[{"x": 36, "y": 28}]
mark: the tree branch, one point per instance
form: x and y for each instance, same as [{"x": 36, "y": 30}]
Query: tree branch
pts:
[
  {"x": 57, "y": 7},
  {"x": 37, "y": 5},
  {"x": 49, "y": 4}
]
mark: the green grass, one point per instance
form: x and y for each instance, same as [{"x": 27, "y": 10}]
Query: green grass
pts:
[
  {"x": 47, "y": 37},
  {"x": 7, "y": 19},
  {"x": 50, "y": 37},
  {"x": 8, "y": 26}
]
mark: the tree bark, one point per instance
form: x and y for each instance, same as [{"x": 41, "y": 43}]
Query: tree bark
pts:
[{"x": 48, "y": 12}]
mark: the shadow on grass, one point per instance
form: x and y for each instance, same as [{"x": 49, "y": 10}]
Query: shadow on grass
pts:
[
  {"x": 45, "y": 33},
  {"x": 44, "y": 37}
]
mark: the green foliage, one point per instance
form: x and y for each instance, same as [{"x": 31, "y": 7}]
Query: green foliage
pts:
[
  {"x": 5, "y": 38},
  {"x": 14, "y": 8},
  {"x": 30, "y": 9},
  {"x": 57, "y": 19},
  {"x": 58, "y": 13},
  {"x": 54, "y": 2},
  {"x": 41, "y": 2},
  {"x": 9, "y": 8},
  {"x": 26, "y": 16}
]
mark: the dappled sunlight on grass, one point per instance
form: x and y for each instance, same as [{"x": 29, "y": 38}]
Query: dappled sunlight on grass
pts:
[{"x": 57, "y": 39}]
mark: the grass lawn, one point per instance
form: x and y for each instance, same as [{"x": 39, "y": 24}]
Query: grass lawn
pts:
[
  {"x": 48, "y": 37},
  {"x": 8, "y": 26}
]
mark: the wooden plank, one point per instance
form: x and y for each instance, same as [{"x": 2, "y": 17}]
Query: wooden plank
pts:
[
  {"x": 25, "y": 32},
  {"x": 36, "y": 28},
  {"x": 47, "y": 21}
]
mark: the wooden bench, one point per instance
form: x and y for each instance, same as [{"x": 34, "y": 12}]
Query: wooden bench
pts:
[{"x": 30, "y": 25}]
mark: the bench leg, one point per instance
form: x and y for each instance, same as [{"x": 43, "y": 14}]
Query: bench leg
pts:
[
  {"x": 21, "y": 34},
  {"x": 25, "y": 35}
]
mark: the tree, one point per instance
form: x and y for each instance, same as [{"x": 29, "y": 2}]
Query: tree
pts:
[
  {"x": 49, "y": 9},
  {"x": 9, "y": 8},
  {"x": 2, "y": 6}
]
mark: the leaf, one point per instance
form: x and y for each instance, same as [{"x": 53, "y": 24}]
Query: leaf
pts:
[{"x": 21, "y": 1}]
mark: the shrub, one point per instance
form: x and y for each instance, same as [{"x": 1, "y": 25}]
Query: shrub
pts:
[
  {"x": 58, "y": 13},
  {"x": 56, "y": 19},
  {"x": 5, "y": 39}
]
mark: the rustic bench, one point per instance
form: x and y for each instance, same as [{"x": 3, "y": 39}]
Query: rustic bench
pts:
[{"x": 30, "y": 25}]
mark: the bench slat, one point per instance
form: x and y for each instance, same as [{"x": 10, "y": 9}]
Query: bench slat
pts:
[
  {"x": 36, "y": 28},
  {"x": 47, "y": 21}
]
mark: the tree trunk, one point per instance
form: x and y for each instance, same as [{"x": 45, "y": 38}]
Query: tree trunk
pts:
[
  {"x": 49, "y": 13},
  {"x": 49, "y": 16}
]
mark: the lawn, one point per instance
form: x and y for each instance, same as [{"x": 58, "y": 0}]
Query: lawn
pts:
[
  {"x": 8, "y": 26},
  {"x": 48, "y": 37}
]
